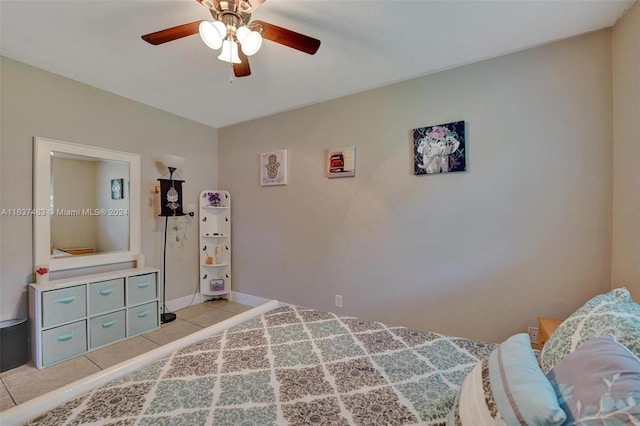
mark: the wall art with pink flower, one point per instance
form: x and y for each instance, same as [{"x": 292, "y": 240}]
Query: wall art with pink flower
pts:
[{"x": 439, "y": 149}]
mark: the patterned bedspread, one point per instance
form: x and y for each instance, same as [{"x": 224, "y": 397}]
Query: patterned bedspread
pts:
[{"x": 289, "y": 366}]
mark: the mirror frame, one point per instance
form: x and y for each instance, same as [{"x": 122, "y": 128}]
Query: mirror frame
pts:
[{"x": 42, "y": 149}]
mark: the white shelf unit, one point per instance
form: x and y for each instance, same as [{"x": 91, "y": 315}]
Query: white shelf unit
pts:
[
  {"x": 72, "y": 316},
  {"x": 215, "y": 243}
]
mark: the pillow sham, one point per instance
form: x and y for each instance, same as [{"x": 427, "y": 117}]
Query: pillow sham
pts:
[
  {"x": 599, "y": 383},
  {"x": 612, "y": 313},
  {"x": 507, "y": 387}
]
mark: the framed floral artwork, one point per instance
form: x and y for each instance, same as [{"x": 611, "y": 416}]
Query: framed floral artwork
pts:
[
  {"x": 439, "y": 149},
  {"x": 273, "y": 168},
  {"x": 341, "y": 162}
]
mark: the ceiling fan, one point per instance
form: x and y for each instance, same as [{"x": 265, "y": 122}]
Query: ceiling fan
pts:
[{"x": 232, "y": 31}]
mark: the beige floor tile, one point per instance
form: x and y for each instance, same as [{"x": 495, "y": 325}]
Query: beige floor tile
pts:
[
  {"x": 23, "y": 370},
  {"x": 24, "y": 388},
  {"x": 172, "y": 331},
  {"x": 210, "y": 318},
  {"x": 194, "y": 310},
  {"x": 228, "y": 305},
  {"x": 121, "y": 351},
  {"x": 6, "y": 401},
  {"x": 236, "y": 308},
  {"x": 216, "y": 303}
]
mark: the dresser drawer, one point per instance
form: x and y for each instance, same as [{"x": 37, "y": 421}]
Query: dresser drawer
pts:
[
  {"x": 106, "y": 296},
  {"x": 143, "y": 318},
  {"x": 63, "y": 305},
  {"x": 141, "y": 288},
  {"x": 107, "y": 328},
  {"x": 64, "y": 342}
]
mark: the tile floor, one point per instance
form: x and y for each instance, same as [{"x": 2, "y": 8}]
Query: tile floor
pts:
[{"x": 27, "y": 382}]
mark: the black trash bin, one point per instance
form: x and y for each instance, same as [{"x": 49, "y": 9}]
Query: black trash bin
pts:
[{"x": 14, "y": 350}]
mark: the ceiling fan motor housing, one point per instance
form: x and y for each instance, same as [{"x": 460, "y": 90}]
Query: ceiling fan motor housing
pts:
[
  {"x": 232, "y": 20},
  {"x": 231, "y": 12}
]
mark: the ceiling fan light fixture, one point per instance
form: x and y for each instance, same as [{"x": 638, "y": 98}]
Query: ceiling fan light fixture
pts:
[
  {"x": 229, "y": 52},
  {"x": 241, "y": 33},
  {"x": 213, "y": 33},
  {"x": 250, "y": 42},
  {"x": 231, "y": 29}
]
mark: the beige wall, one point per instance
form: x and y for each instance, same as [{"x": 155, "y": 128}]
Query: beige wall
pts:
[
  {"x": 626, "y": 106},
  {"x": 38, "y": 103},
  {"x": 525, "y": 232}
]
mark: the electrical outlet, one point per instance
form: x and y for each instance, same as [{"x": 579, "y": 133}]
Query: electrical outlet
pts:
[
  {"x": 533, "y": 334},
  {"x": 338, "y": 301}
]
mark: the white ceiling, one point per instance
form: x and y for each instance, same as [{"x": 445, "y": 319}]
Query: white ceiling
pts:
[{"x": 365, "y": 44}]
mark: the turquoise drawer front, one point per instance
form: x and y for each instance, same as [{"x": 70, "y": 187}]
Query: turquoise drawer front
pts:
[
  {"x": 63, "y": 305},
  {"x": 143, "y": 318},
  {"x": 141, "y": 288},
  {"x": 64, "y": 342},
  {"x": 107, "y": 328},
  {"x": 106, "y": 296}
]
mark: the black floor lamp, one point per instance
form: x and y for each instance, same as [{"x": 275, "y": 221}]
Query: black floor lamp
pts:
[{"x": 170, "y": 205}]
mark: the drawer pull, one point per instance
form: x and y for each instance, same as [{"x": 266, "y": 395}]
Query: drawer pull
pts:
[
  {"x": 105, "y": 291},
  {"x": 143, "y": 284},
  {"x": 108, "y": 324},
  {"x": 67, "y": 299},
  {"x": 142, "y": 314},
  {"x": 65, "y": 337}
]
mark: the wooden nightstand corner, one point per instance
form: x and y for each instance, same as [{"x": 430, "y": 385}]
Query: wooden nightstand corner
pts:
[{"x": 546, "y": 327}]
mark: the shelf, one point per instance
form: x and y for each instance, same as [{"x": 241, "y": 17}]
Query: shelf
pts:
[
  {"x": 214, "y": 232},
  {"x": 216, "y": 265},
  {"x": 214, "y": 293}
]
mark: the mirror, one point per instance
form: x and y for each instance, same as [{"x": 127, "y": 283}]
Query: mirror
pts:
[{"x": 86, "y": 205}]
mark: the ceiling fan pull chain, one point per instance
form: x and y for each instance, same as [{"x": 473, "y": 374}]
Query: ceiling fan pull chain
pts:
[{"x": 230, "y": 63}]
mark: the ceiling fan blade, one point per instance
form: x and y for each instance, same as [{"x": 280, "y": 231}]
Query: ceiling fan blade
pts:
[
  {"x": 289, "y": 38},
  {"x": 242, "y": 69},
  {"x": 172, "y": 33}
]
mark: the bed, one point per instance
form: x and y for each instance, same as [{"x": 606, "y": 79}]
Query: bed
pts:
[
  {"x": 292, "y": 365},
  {"x": 288, "y": 365}
]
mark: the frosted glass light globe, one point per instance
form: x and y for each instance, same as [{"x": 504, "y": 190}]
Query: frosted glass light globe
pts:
[{"x": 212, "y": 33}]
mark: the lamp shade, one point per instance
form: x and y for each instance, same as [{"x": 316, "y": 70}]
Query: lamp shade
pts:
[
  {"x": 212, "y": 33},
  {"x": 229, "y": 52},
  {"x": 173, "y": 161},
  {"x": 251, "y": 42}
]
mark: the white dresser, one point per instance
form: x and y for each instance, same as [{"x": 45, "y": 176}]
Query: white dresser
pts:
[{"x": 71, "y": 316}]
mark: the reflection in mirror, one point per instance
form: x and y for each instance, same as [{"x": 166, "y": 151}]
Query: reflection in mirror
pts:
[
  {"x": 89, "y": 205},
  {"x": 86, "y": 205}
]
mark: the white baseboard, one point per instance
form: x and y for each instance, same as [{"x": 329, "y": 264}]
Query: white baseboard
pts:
[
  {"x": 246, "y": 299},
  {"x": 182, "y": 302}
]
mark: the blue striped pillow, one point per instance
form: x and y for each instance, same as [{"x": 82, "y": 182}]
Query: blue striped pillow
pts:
[{"x": 507, "y": 387}]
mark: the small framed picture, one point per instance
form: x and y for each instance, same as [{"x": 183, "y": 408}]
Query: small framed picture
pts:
[
  {"x": 117, "y": 189},
  {"x": 341, "y": 162},
  {"x": 216, "y": 285},
  {"x": 273, "y": 168}
]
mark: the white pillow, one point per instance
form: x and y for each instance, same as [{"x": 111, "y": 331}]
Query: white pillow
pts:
[{"x": 507, "y": 388}]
